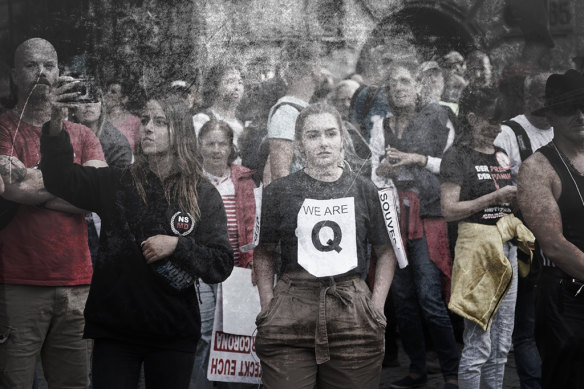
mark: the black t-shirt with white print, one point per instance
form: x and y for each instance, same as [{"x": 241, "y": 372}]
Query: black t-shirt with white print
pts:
[
  {"x": 322, "y": 222},
  {"x": 478, "y": 174}
]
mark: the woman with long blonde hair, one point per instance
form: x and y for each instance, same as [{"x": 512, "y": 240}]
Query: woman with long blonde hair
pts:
[{"x": 163, "y": 226}]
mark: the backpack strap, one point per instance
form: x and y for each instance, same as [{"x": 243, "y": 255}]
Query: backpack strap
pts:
[
  {"x": 523, "y": 141},
  {"x": 298, "y": 107},
  {"x": 208, "y": 112},
  {"x": 280, "y": 105}
]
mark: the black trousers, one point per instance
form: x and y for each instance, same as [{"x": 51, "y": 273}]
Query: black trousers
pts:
[
  {"x": 559, "y": 331},
  {"x": 116, "y": 365}
]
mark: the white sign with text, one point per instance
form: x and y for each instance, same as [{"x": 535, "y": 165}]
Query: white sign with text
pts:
[{"x": 327, "y": 238}]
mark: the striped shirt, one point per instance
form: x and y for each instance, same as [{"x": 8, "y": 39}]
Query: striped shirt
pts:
[{"x": 227, "y": 191}]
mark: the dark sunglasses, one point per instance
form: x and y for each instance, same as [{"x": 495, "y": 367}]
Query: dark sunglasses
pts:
[{"x": 568, "y": 109}]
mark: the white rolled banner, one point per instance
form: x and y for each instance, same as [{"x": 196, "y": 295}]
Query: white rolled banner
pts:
[
  {"x": 257, "y": 194},
  {"x": 391, "y": 220}
]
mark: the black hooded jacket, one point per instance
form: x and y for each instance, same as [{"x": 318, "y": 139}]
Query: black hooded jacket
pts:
[{"x": 130, "y": 300}]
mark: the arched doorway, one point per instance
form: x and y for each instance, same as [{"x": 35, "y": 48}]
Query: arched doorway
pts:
[{"x": 423, "y": 29}]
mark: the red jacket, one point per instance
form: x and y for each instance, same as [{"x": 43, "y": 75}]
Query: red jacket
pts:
[{"x": 245, "y": 208}]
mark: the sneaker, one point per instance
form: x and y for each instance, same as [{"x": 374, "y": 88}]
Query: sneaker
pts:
[{"x": 409, "y": 382}]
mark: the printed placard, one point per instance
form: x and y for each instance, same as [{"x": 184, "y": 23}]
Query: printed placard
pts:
[
  {"x": 327, "y": 239},
  {"x": 241, "y": 303},
  {"x": 232, "y": 357},
  {"x": 388, "y": 201}
]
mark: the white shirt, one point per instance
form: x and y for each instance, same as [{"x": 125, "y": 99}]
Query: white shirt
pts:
[
  {"x": 201, "y": 118},
  {"x": 507, "y": 140},
  {"x": 282, "y": 123}
]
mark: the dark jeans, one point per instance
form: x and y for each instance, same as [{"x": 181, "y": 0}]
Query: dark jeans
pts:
[
  {"x": 526, "y": 355},
  {"x": 391, "y": 334},
  {"x": 418, "y": 287},
  {"x": 559, "y": 333},
  {"x": 116, "y": 365}
]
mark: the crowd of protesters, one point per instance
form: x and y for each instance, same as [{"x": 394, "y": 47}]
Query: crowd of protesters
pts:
[{"x": 123, "y": 207}]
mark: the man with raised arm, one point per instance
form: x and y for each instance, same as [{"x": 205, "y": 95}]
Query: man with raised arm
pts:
[
  {"x": 550, "y": 190},
  {"x": 45, "y": 266}
]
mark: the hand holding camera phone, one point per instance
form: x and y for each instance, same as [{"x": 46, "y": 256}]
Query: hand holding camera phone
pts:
[
  {"x": 69, "y": 92},
  {"x": 78, "y": 90}
]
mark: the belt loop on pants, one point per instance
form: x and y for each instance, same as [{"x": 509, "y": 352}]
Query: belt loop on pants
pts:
[{"x": 321, "y": 344}]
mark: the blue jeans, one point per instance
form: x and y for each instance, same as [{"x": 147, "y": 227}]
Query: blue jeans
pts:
[
  {"x": 526, "y": 354},
  {"x": 482, "y": 364},
  {"x": 418, "y": 287},
  {"x": 208, "y": 294}
]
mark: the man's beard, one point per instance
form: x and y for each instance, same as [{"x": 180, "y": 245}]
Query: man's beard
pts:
[{"x": 38, "y": 92}]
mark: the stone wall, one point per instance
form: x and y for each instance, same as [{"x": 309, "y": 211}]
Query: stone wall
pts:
[{"x": 176, "y": 38}]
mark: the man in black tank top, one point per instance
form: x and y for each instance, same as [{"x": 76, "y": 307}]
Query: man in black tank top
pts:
[{"x": 550, "y": 194}]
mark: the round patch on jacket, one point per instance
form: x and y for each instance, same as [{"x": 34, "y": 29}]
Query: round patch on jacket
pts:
[{"x": 182, "y": 223}]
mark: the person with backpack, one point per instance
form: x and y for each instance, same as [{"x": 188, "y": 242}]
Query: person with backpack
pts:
[
  {"x": 523, "y": 134},
  {"x": 302, "y": 76},
  {"x": 254, "y": 111},
  {"x": 520, "y": 137}
]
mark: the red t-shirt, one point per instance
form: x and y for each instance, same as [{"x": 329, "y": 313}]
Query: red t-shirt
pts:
[{"x": 41, "y": 246}]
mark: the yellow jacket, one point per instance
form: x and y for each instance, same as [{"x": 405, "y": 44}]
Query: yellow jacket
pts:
[{"x": 481, "y": 274}]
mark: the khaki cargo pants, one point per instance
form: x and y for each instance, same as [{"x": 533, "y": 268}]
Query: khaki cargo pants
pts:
[
  {"x": 323, "y": 331},
  {"x": 45, "y": 322}
]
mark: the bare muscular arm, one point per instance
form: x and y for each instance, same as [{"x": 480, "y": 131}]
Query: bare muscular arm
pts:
[
  {"x": 22, "y": 185},
  {"x": 25, "y": 186},
  {"x": 539, "y": 189}
]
